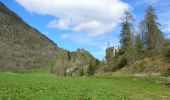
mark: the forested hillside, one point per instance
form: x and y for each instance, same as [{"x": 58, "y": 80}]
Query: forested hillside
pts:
[{"x": 143, "y": 50}]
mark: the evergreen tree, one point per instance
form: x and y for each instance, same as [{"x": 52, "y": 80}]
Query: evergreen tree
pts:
[
  {"x": 69, "y": 55},
  {"x": 81, "y": 72},
  {"x": 90, "y": 70},
  {"x": 126, "y": 40},
  {"x": 154, "y": 36},
  {"x": 126, "y": 32}
]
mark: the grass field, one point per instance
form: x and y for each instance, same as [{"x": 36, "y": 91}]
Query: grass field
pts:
[{"x": 44, "y": 87}]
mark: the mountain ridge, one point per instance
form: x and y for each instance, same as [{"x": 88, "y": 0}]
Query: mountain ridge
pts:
[{"x": 23, "y": 47}]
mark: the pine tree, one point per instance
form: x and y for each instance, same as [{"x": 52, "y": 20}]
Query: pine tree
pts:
[
  {"x": 154, "y": 36},
  {"x": 69, "y": 55},
  {"x": 90, "y": 69},
  {"x": 81, "y": 72},
  {"x": 126, "y": 32},
  {"x": 126, "y": 40}
]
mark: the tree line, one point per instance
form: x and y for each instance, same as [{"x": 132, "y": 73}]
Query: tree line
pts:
[{"x": 147, "y": 39}]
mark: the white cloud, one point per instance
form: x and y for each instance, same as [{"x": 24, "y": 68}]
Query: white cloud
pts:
[
  {"x": 61, "y": 24},
  {"x": 95, "y": 17}
]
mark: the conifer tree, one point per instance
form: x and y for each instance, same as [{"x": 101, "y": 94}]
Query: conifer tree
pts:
[
  {"x": 81, "y": 72},
  {"x": 126, "y": 32},
  {"x": 90, "y": 69},
  {"x": 154, "y": 36},
  {"x": 126, "y": 40}
]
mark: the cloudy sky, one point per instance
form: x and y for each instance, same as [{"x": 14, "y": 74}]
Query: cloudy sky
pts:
[{"x": 88, "y": 24}]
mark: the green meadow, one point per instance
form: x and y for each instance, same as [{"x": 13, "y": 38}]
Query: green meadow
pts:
[{"x": 48, "y": 87}]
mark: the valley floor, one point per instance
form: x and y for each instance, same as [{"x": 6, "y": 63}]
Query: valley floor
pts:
[{"x": 45, "y": 87}]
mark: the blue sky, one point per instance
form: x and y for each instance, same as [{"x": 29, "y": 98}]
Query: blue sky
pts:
[{"x": 88, "y": 24}]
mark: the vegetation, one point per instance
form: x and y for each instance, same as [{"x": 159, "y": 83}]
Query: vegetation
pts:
[
  {"x": 153, "y": 35},
  {"x": 136, "y": 47},
  {"x": 23, "y": 48},
  {"x": 41, "y": 87},
  {"x": 81, "y": 72}
]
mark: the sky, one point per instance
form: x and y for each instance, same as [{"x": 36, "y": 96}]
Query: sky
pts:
[{"x": 87, "y": 24}]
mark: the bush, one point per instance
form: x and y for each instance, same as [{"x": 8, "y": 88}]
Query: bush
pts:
[
  {"x": 81, "y": 72},
  {"x": 122, "y": 63},
  {"x": 167, "y": 53}
]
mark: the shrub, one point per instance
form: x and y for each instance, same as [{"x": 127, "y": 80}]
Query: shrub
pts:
[
  {"x": 81, "y": 72},
  {"x": 122, "y": 63},
  {"x": 167, "y": 53}
]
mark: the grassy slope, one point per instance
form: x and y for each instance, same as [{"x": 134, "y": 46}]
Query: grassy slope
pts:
[{"x": 43, "y": 87}]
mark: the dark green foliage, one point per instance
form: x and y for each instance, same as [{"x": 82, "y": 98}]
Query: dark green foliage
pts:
[
  {"x": 138, "y": 43},
  {"x": 126, "y": 41},
  {"x": 90, "y": 69},
  {"x": 126, "y": 32},
  {"x": 122, "y": 63},
  {"x": 125, "y": 55},
  {"x": 137, "y": 49},
  {"x": 69, "y": 55},
  {"x": 81, "y": 72}
]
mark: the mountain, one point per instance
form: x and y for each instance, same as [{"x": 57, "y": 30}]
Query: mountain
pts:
[{"x": 23, "y": 47}]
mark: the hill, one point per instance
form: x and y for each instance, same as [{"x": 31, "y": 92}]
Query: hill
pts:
[
  {"x": 75, "y": 61},
  {"x": 147, "y": 63},
  {"x": 24, "y": 48},
  {"x": 21, "y": 46}
]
